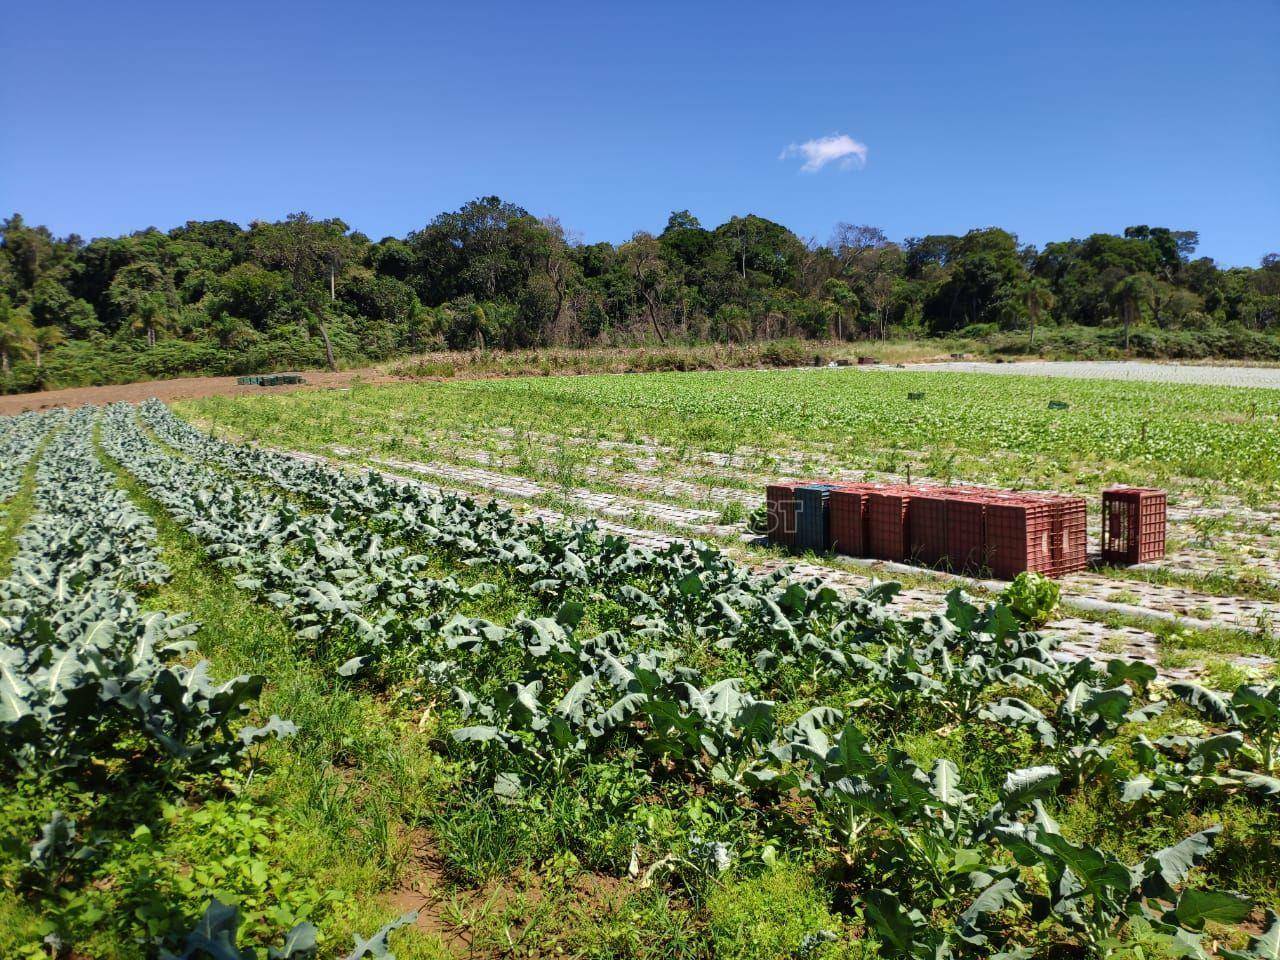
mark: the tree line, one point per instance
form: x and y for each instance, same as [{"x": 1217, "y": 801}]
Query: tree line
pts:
[{"x": 212, "y": 296}]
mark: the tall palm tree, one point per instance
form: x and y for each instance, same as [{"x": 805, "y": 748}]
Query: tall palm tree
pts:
[
  {"x": 1038, "y": 300},
  {"x": 46, "y": 338},
  {"x": 17, "y": 335},
  {"x": 150, "y": 316},
  {"x": 1128, "y": 296}
]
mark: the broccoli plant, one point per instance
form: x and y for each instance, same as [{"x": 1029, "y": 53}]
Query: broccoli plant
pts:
[
  {"x": 1093, "y": 893},
  {"x": 1085, "y": 718},
  {"x": 1253, "y": 710}
]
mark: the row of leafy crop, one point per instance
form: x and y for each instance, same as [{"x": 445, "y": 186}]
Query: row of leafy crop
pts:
[
  {"x": 576, "y": 697},
  {"x": 342, "y": 584},
  {"x": 1139, "y": 430},
  {"x": 82, "y": 661},
  {"x": 686, "y": 587},
  {"x": 20, "y": 437},
  {"x": 567, "y": 697},
  {"x": 1134, "y": 423},
  {"x": 92, "y": 687}
]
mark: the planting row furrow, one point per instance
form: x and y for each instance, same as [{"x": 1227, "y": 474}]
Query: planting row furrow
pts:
[{"x": 1127, "y": 596}]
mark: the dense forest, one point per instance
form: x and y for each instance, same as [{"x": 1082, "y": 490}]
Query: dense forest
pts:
[{"x": 213, "y": 297}]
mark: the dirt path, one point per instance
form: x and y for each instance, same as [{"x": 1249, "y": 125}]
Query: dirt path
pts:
[{"x": 185, "y": 388}]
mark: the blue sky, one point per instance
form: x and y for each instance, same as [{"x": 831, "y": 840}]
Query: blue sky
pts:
[{"x": 1052, "y": 120}]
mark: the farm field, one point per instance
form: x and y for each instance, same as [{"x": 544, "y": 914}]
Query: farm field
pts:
[
  {"x": 443, "y": 670},
  {"x": 689, "y": 455}
]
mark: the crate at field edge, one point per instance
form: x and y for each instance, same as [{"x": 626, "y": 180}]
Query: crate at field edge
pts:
[
  {"x": 1018, "y": 535},
  {"x": 251, "y": 381},
  {"x": 966, "y": 529},
  {"x": 988, "y": 496},
  {"x": 927, "y": 521},
  {"x": 1069, "y": 544},
  {"x": 811, "y": 517},
  {"x": 780, "y": 509},
  {"x": 887, "y": 530},
  {"x": 847, "y": 519},
  {"x": 1134, "y": 524}
]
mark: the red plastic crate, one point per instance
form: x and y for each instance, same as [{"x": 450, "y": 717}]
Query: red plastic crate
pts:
[
  {"x": 1070, "y": 546},
  {"x": 888, "y": 533},
  {"x": 1134, "y": 522},
  {"x": 982, "y": 561},
  {"x": 847, "y": 517},
  {"x": 927, "y": 522},
  {"x": 780, "y": 507},
  {"x": 1019, "y": 535},
  {"x": 966, "y": 530}
]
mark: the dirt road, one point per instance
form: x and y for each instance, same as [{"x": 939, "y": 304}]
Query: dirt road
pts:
[{"x": 181, "y": 389}]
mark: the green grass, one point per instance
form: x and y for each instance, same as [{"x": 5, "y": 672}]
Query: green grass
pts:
[
  {"x": 973, "y": 426},
  {"x": 15, "y": 512}
]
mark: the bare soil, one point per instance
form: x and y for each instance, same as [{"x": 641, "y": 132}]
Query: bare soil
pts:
[
  {"x": 465, "y": 920},
  {"x": 185, "y": 388}
]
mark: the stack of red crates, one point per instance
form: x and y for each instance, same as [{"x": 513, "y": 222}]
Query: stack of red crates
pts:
[
  {"x": 846, "y": 513},
  {"x": 780, "y": 507},
  {"x": 888, "y": 533},
  {"x": 966, "y": 528},
  {"x": 1134, "y": 520}
]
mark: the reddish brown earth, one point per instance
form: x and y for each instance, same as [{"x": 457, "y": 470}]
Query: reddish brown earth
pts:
[{"x": 182, "y": 389}]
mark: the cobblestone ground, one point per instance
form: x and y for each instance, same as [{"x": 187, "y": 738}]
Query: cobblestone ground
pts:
[{"x": 630, "y": 517}]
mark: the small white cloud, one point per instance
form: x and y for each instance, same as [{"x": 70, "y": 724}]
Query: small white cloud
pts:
[{"x": 838, "y": 148}]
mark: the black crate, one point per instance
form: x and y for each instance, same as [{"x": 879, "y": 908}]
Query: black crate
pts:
[{"x": 812, "y": 521}]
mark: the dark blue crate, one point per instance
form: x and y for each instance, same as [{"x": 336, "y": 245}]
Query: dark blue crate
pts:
[{"x": 812, "y": 523}]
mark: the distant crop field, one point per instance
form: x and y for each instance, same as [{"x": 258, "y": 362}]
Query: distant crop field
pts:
[{"x": 984, "y": 427}]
